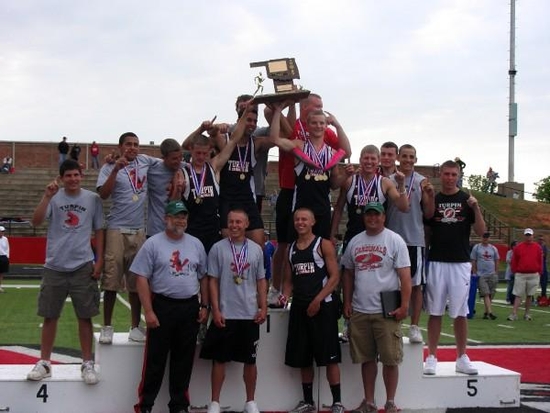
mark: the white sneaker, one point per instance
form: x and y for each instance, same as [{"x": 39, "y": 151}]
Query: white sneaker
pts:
[
  {"x": 303, "y": 407},
  {"x": 251, "y": 407},
  {"x": 137, "y": 334},
  {"x": 106, "y": 335},
  {"x": 88, "y": 373},
  {"x": 430, "y": 365},
  {"x": 415, "y": 335},
  {"x": 41, "y": 370},
  {"x": 465, "y": 366},
  {"x": 214, "y": 407}
]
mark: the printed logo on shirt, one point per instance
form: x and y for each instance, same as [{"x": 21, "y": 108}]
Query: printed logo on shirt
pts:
[
  {"x": 72, "y": 217},
  {"x": 235, "y": 166},
  {"x": 369, "y": 257},
  {"x": 449, "y": 212},
  {"x": 178, "y": 266},
  {"x": 206, "y": 192},
  {"x": 304, "y": 268}
]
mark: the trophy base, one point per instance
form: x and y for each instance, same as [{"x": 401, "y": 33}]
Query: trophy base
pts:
[{"x": 295, "y": 95}]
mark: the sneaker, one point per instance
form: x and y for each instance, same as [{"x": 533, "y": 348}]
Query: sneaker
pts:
[
  {"x": 492, "y": 316},
  {"x": 527, "y": 317},
  {"x": 512, "y": 317},
  {"x": 337, "y": 408},
  {"x": 485, "y": 316},
  {"x": 214, "y": 407},
  {"x": 430, "y": 365},
  {"x": 273, "y": 298},
  {"x": 251, "y": 407},
  {"x": 365, "y": 407},
  {"x": 415, "y": 335},
  {"x": 1, "y": 290},
  {"x": 303, "y": 407},
  {"x": 41, "y": 370},
  {"x": 88, "y": 373},
  {"x": 390, "y": 407},
  {"x": 137, "y": 334},
  {"x": 106, "y": 335},
  {"x": 465, "y": 366}
]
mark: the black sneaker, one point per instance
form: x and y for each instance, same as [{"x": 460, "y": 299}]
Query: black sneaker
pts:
[
  {"x": 492, "y": 316},
  {"x": 485, "y": 316}
]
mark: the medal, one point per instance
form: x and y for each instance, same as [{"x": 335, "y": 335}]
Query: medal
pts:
[
  {"x": 198, "y": 200},
  {"x": 243, "y": 160},
  {"x": 240, "y": 260},
  {"x": 317, "y": 178},
  {"x": 358, "y": 211},
  {"x": 135, "y": 197},
  {"x": 237, "y": 279},
  {"x": 308, "y": 177},
  {"x": 242, "y": 176}
]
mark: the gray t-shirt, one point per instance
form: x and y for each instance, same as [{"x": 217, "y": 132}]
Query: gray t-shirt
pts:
[
  {"x": 129, "y": 193},
  {"x": 485, "y": 256},
  {"x": 173, "y": 267},
  {"x": 71, "y": 222},
  {"x": 238, "y": 301},
  {"x": 158, "y": 177},
  {"x": 374, "y": 260},
  {"x": 409, "y": 225}
]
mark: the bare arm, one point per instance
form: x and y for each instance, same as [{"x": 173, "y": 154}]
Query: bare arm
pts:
[
  {"x": 479, "y": 224},
  {"x": 329, "y": 256},
  {"x": 338, "y": 209},
  {"x": 347, "y": 289},
  {"x": 144, "y": 292},
  {"x": 205, "y": 300},
  {"x": 106, "y": 189},
  {"x": 261, "y": 287},
  {"x": 342, "y": 137},
  {"x": 428, "y": 199},
  {"x": 99, "y": 251},
  {"x": 214, "y": 292},
  {"x": 39, "y": 214},
  {"x": 404, "y": 275},
  {"x": 397, "y": 195}
]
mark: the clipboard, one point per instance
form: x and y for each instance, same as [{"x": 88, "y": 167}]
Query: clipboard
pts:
[{"x": 391, "y": 300}]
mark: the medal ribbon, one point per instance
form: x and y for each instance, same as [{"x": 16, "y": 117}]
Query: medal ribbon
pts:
[
  {"x": 133, "y": 182},
  {"x": 302, "y": 133},
  {"x": 320, "y": 158},
  {"x": 198, "y": 186},
  {"x": 364, "y": 190},
  {"x": 242, "y": 163},
  {"x": 241, "y": 258},
  {"x": 409, "y": 189}
]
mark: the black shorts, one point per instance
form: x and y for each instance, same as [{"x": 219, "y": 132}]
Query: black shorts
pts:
[
  {"x": 4, "y": 264},
  {"x": 254, "y": 218},
  {"x": 312, "y": 338},
  {"x": 238, "y": 341},
  {"x": 283, "y": 211}
]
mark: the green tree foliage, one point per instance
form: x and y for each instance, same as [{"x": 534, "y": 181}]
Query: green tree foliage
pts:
[
  {"x": 477, "y": 182},
  {"x": 542, "y": 191}
]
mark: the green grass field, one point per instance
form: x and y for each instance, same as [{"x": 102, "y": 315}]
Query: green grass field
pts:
[{"x": 20, "y": 325}]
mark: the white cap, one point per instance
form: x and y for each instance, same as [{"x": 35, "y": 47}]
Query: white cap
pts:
[
  {"x": 528, "y": 231},
  {"x": 2, "y": 229}
]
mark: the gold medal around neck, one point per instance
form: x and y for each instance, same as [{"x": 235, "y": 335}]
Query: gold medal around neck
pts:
[
  {"x": 358, "y": 211},
  {"x": 135, "y": 197},
  {"x": 308, "y": 177},
  {"x": 242, "y": 176},
  {"x": 198, "y": 200},
  {"x": 238, "y": 279}
]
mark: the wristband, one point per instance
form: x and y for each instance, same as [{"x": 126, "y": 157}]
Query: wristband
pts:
[{"x": 207, "y": 306}]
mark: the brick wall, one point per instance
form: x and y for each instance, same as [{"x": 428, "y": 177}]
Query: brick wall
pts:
[{"x": 45, "y": 154}]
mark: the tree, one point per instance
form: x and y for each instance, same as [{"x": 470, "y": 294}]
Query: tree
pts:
[
  {"x": 477, "y": 182},
  {"x": 542, "y": 191}
]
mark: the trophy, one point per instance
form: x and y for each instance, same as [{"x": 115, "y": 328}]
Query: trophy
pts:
[{"x": 282, "y": 72}]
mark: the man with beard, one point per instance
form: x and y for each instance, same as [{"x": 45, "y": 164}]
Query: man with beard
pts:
[{"x": 170, "y": 269}]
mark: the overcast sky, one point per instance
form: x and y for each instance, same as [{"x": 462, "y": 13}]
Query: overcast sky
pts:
[{"x": 433, "y": 73}]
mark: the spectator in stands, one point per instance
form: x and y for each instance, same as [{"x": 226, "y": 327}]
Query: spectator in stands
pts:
[
  {"x": 4, "y": 256},
  {"x": 75, "y": 151},
  {"x": 73, "y": 213},
  {"x": 462, "y": 165},
  {"x": 7, "y": 164},
  {"x": 63, "y": 149},
  {"x": 509, "y": 275},
  {"x": 527, "y": 268},
  {"x": 94, "y": 152},
  {"x": 485, "y": 258}
]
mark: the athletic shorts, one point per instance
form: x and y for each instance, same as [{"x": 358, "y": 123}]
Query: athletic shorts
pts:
[
  {"x": 525, "y": 284},
  {"x": 312, "y": 338},
  {"x": 283, "y": 211},
  {"x": 487, "y": 285},
  {"x": 373, "y": 337},
  {"x": 448, "y": 285},
  {"x": 78, "y": 284},
  {"x": 4, "y": 264},
  {"x": 417, "y": 257},
  {"x": 254, "y": 217},
  {"x": 237, "y": 341},
  {"x": 120, "y": 250}
]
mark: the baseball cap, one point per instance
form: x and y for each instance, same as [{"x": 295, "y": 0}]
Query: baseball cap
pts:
[
  {"x": 486, "y": 235},
  {"x": 175, "y": 207},
  {"x": 2, "y": 229},
  {"x": 528, "y": 231},
  {"x": 374, "y": 206}
]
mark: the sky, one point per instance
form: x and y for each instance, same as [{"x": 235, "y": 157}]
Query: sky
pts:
[{"x": 431, "y": 73}]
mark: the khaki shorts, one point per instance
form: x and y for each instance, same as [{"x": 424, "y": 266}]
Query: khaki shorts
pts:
[
  {"x": 56, "y": 286},
  {"x": 120, "y": 249},
  {"x": 372, "y": 336},
  {"x": 525, "y": 284},
  {"x": 487, "y": 285}
]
